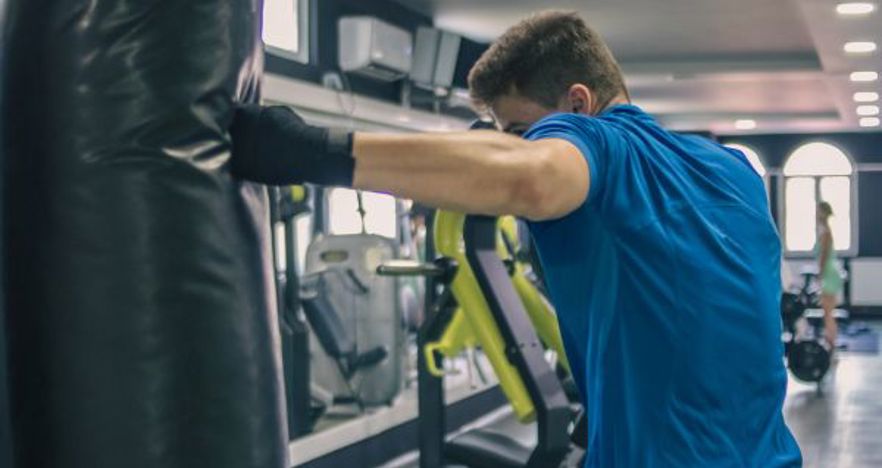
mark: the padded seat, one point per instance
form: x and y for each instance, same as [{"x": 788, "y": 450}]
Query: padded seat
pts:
[{"x": 481, "y": 448}]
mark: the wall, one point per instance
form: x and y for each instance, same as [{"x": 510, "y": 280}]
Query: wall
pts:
[
  {"x": 865, "y": 149},
  {"x": 323, "y": 45}
]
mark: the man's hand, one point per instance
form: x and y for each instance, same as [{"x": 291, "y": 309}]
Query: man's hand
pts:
[{"x": 273, "y": 145}]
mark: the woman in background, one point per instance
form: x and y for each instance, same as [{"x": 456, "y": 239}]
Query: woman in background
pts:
[{"x": 828, "y": 274}]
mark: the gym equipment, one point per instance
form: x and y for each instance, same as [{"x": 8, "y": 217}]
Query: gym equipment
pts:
[
  {"x": 524, "y": 348},
  {"x": 807, "y": 354},
  {"x": 141, "y": 317},
  {"x": 540, "y": 310},
  {"x": 337, "y": 336},
  {"x": 355, "y": 316},
  {"x": 479, "y": 304},
  {"x": 287, "y": 205},
  {"x": 808, "y": 360},
  {"x": 458, "y": 334},
  {"x": 411, "y": 288}
]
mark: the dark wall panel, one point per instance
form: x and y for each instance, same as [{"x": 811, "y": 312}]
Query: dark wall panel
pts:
[{"x": 870, "y": 214}]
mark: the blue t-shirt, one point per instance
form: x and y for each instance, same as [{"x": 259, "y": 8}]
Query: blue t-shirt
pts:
[{"x": 667, "y": 286}]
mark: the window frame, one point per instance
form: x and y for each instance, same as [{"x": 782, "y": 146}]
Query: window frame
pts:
[
  {"x": 303, "y": 29},
  {"x": 326, "y": 212},
  {"x": 767, "y": 171},
  {"x": 852, "y": 250}
]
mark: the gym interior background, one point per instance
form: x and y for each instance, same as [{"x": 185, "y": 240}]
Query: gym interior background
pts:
[{"x": 793, "y": 84}]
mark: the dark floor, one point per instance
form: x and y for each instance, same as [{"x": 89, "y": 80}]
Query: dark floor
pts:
[{"x": 842, "y": 425}]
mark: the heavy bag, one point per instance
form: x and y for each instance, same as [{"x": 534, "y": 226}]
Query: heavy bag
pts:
[
  {"x": 5, "y": 429},
  {"x": 142, "y": 325}
]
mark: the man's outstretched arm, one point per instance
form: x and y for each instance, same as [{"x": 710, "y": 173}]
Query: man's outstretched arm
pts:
[{"x": 482, "y": 172}]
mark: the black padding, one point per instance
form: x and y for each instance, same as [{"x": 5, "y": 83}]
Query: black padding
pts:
[
  {"x": 579, "y": 436},
  {"x": 333, "y": 334},
  {"x": 487, "y": 449},
  {"x": 142, "y": 325},
  {"x": 370, "y": 357}
]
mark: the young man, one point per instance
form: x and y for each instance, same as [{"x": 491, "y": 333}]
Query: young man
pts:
[{"x": 658, "y": 249}]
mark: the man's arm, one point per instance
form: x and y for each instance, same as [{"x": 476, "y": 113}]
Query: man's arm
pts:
[{"x": 482, "y": 172}]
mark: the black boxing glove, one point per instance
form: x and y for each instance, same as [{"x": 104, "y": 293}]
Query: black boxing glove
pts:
[{"x": 275, "y": 146}]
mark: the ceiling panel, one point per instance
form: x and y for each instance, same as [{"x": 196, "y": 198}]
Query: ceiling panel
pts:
[
  {"x": 734, "y": 94},
  {"x": 701, "y": 63},
  {"x": 638, "y": 29}
]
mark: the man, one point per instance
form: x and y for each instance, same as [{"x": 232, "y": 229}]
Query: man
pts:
[{"x": 658, "y": 249}]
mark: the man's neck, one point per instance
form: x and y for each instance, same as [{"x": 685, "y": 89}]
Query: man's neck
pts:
[{"x": 620, "y": 98}]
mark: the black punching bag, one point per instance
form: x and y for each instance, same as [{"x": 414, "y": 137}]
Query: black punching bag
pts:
[
  {"x": 5, "y": 428},
  {"x": 141, "y": 326}
]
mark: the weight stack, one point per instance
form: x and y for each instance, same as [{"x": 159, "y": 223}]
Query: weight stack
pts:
[{"x": 141, "y": 325}]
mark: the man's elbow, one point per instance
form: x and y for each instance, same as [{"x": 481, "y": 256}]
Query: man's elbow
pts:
[{"x": 535, "y": 198}]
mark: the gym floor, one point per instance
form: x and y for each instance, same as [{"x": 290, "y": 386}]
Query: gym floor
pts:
[{"x": 840, "y": 426}]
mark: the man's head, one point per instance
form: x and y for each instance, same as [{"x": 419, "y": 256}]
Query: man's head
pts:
[{"x": 549, "y": 62}]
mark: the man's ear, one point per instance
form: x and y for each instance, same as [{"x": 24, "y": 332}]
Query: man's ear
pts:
[{"x": 580, "y": 100}]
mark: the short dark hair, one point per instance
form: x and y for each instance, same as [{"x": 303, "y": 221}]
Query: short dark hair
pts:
[{"x": 541, "y": 57}]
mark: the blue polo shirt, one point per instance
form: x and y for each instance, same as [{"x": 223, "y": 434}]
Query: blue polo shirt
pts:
[{"x": 667, "y": 286}]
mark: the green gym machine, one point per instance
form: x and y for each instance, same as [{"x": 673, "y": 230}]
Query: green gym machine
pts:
[{"x": 488, "y": 301}]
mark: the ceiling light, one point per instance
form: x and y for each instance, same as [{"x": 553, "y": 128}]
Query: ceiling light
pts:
[
  {"x": 863, "y": 76},
  {"x": 867, "y": 111},
  {"x": 855, "y": 8},
  {"x": 866, "y": 96},
  {"x": 745, "y": 124},
  {"x": 870, "y": 122},
  {"x": 859, "y": 47}
]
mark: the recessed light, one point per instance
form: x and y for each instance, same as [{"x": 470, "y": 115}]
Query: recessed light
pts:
[
  {"x": 863, "y": 76},
  {"x": 859, "y": 47},
  {"x": 869, "y": 122},
  {"x": 866, "y": 96},
  {"x": 855, "y": 8},
  {"x": 867, "y": 111},
  {"x": 745, "y": 124}
]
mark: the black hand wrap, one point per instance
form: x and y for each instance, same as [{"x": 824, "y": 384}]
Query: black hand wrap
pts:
[
  {"x": 274, "y": 146},
  {"x": 482, "y": 125}
]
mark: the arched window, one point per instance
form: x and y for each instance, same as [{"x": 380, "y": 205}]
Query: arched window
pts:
[
  {"x": 380, "y": 215},
  {"x": 752, "y": 157},
  {"x": 818, "y": 172}
]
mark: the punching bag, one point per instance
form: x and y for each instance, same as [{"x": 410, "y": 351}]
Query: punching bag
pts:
[
  {"x": 5, "y": 428},
  {"x": 141, "y": 326}
]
